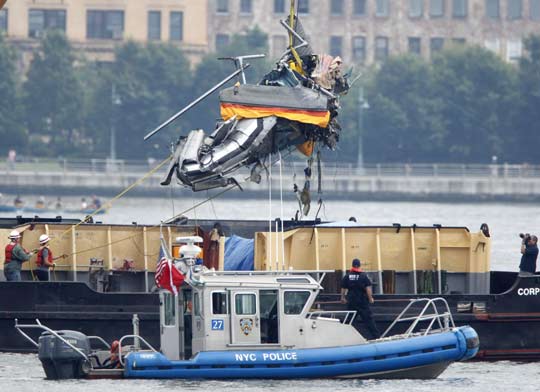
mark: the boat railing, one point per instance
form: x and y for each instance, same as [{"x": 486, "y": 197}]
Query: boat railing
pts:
[
  {"x": 38, "y": 325},
  {"x": 343, "y": 316},
  {"x": 318, "y": 275},
  {"x": 101, "y": 340},
  {"x": 430, "y": 312},
  {"x": 136, "y": 338}
]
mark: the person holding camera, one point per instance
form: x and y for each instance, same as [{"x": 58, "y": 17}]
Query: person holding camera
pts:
[{"x": 529, "y": 251}]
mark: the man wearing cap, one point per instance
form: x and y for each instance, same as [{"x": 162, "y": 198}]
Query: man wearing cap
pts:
[
  {"x": 15, "y": 256},
  {"x": 357, "y": 294},
  {"x": 44, "y": 258}
]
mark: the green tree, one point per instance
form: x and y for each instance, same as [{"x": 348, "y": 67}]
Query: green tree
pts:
[
  {"x": 527, "y": 138},
  {"x": 458, "y": 108},
  {"x": 53, "y": 95},
  {"x": 143, "y": 87},
  {"x": 12, "y": 133},
  {"x": 403, "y": 122},
  {"x": 351, "y": 127},
  {"x": 478, "y": 92},
  {"x": 211, "y": 71},
  {"x": 96, "y": 81}
]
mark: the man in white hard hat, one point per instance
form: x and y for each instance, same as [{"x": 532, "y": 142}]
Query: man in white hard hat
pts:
[
  {"x": 16, "y": 255},
  {"x": 44, "y": 258}
]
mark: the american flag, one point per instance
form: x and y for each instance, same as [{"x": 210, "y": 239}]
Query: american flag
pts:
[{"x": 167, "y": 275}]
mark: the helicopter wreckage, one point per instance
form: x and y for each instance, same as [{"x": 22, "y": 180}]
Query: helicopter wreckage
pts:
[{"x": 296, "y": 104}]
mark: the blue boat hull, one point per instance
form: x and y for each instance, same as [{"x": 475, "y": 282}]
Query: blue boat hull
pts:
[{"x": 416, "y": 357}]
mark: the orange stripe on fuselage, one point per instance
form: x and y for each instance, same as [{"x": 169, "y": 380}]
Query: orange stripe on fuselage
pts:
[{"x": 316, "y": 117}]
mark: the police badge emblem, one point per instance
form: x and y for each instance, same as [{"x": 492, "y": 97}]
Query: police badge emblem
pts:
[{"x": 246, "y": 325}]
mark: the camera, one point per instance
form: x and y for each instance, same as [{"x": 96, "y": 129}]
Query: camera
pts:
[{"x": 525, "y": 237}]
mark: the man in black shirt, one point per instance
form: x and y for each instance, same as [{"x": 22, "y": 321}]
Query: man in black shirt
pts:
[
  {"x": 356, "y": 292},
  {"x": 529, "y": 250}
]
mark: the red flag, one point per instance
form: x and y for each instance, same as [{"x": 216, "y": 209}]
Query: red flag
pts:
[{"x": 167, "y": 275}]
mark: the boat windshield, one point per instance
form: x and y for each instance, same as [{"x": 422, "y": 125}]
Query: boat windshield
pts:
[{"x": 294, "y": 301}]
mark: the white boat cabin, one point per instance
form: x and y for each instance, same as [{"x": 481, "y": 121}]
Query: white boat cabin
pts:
[{"x": 253, "y": 311}]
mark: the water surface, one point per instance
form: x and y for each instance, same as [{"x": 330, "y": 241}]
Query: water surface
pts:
[{"x": 23, "y": 372}]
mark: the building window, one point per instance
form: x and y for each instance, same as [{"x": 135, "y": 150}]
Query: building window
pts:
[
  {"x": 222, "y": 6},
  {"x": 381, "y": 48},
  {"x": 359, "y": 7},
  {"x": 458, "y": 41},
  {"x": 436, "y": 8},
  {"x": 336, "y": 7},
  {"x": 4, "y": 20},
  {"x": 359, "y": 49},
  {"x": 436, "y": 44},
  {"x": 303, "y": 6},
  {"x": 336, "y": 45},
  {"x": 279, "y": 45},
  {"x": 514, "y": 9},
  {"x": 176, "y": 26},
  {"x": 493, "y": 45},
  {"x": 459, "y": 8},
  {"x": 535, "y": 9},
  {"x": 222, "y": 40},
  {"x": 382, "y": 8},
  {"x": 246, "y": 6},
  {"x": 416, "y": 8},
  {"x": 105, "y": 24},
  {"x": 41, "y": 20},
  {"x": 415, "y": 45},
  {"x": 279, "y": 6},
  {"x": 492, "y": 9},
  {"x": 154, "y": 25},
  {"x": 513, "y": 50}
]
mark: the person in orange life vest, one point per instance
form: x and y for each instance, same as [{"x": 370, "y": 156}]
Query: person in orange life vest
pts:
[
  {"x": 16, "y": 255},
  {"x": 113, "y": 362},
  {"x": 44, "y": 258},
  {"x": 357, "y": 294}
]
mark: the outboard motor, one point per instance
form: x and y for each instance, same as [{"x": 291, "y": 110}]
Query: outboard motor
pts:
[{"x": 59, "y": 360}]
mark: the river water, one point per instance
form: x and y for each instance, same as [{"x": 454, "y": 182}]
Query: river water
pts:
[
  {"x": 505, "y": 220},
  {"x": 23, "y": 373}
]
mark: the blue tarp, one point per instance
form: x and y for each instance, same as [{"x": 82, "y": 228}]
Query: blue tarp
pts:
[{"x": 239, "y": 254}]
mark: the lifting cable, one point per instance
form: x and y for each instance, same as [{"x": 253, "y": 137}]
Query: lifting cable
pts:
[
  {"x": 149, "y": 227},
  {"x": 98, "y": 210},
  {"x": 168, "y": 221},
  {"x": 118, "y": 196}
]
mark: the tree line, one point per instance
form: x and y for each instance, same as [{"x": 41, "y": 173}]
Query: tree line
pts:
[{"x": 466, "y": 105}]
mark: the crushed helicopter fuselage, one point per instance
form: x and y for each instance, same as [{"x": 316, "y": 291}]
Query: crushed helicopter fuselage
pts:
[{"x": 293, "y": 106}]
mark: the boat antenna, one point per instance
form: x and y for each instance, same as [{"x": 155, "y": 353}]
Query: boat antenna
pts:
[
  {"x": 281, "y": 212},
  {"x": 269, "y": 176}
]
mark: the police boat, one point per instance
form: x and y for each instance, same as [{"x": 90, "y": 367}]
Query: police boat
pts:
[{"x": 240, "y": 325}]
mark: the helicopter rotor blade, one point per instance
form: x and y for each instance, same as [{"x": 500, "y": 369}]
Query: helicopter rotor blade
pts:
[{"x": 196, "y": 101}]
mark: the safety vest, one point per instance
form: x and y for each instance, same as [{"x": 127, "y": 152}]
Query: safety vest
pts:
[
  {"x": 39, "y": 261},
  {"x": 9, "y": 252}
]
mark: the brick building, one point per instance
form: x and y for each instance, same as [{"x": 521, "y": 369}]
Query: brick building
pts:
[{"x": 368, "y": 31}]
